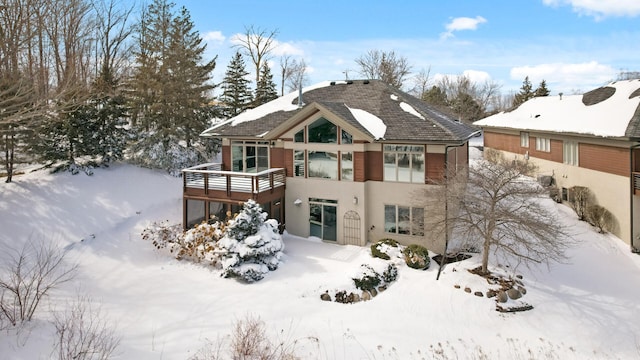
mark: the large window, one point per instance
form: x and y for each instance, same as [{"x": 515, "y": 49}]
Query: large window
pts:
[
  {"x": 404, "y": 163},
  {"x": 250, "y": 156},
  {"x": 524, "y": 139},
  {"x": 543, "y": 144},
  {"x": 323, "y": 164},
  {"x": 298, "y": 163},
  {"x": 570, "y": 152},
  {"x": 346, "y": 166},
  {"x": 323, "y": 131},
  {"x": 404, "y": 220}
]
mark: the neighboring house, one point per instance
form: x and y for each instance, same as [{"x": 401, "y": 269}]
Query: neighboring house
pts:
[
  {"x": 586, "y": 140},
  {"x": 342, "y": 165}
]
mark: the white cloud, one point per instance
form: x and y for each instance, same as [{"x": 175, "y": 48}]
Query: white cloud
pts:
[
  {"x": 214, "y": 37},
  {"x": 600, "y": 8},
  {"x": 286, "y": 48},
  {"x": 462, "y": 23},
  {"x": 566, "y": 77}
]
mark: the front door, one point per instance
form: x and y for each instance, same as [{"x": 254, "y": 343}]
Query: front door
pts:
[{"x": 323, "y": 219}]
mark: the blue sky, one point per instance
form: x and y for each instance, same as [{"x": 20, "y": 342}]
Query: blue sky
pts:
[{"x": 575, "y": 45}]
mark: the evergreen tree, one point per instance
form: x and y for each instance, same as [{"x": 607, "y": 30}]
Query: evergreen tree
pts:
[
  {"x": 170, "y": 89},
  {"x": 467, "y": 108},
  {"x": 526, "y": 92},
  {"x": 266, "y": 88},
  {"x": 435, "y": 96},
  {"x": 236, "y": 95},
  {"x": 542, "y": 89},
  {"x": 251, "y": 245}
]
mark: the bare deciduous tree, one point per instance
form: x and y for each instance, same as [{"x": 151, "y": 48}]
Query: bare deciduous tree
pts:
[
  {"x": 83, "y": 332},
  {"x": 386, "y": 66},
  {"x": 502, "y": 208},
  {"x": 297, "y": 75},
  {"x": 285, "y": 71},
  {"x": 421, "y": 82},
  {"x": 257, "y": 43},
  {"x": 29, "y": 274}
]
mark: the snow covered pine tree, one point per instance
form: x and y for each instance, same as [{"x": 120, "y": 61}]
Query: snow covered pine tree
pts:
[{"x": 252, "y": 245}]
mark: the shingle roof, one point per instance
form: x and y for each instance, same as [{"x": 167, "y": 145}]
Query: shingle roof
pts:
[
  {"x": 609, "y": 111},
  {"x": 424, "y": 123}
]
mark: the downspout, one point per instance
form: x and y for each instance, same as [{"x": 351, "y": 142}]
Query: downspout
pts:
[
  {"x": 631, "y": 195},
  {"x": 446, "y": 203}
]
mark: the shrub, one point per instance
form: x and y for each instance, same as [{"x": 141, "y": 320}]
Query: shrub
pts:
[
  {"x": 197, "y": 244},
  {"x": 381, "y": 248},
  {"x": 28, "y": 275},
  {"x": 251, "y": 246},
  {"x": 369, "y": 278},
  {"x": 600, "y": 217},
  {"x": 390, "y": 274},
  {"x": 580, "y": 201},
  {"x": 417, "y": 257}
]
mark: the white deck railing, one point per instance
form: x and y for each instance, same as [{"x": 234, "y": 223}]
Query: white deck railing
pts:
[{"x": 211, "y": 177}]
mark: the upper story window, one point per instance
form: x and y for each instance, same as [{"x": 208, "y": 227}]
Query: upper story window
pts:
[
  {"x": 543, "y": 144},
  {"x": 524, "y": 139},
  {"x": 249, "y": 156},
  {"x": 346, "y": 138},
  {"x": 299, "y": 136},
  {"x": 404, "y": 163},
  {"x": 570, "y": 153},
  {"x": 322, "y": 131}
]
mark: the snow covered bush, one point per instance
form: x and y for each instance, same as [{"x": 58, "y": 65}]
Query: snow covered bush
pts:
[
  {"x": 369, "y": 278},
  {"x": 163, "y": 235},
  {"x": 417, "y": 257},
  {"x": 251, "y": 246},
  {"x": 385, "y": 249},
  {"x": 197, "y": 244}
]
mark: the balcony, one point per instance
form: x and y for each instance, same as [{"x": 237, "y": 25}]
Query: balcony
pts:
[{"x": 209, "y": 180}]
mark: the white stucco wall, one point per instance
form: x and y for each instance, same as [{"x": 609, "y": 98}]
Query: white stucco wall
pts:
[{"x": 609, "y": 190}]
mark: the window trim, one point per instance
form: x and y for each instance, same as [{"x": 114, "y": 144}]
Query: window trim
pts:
[
  {"x": 387, "y": 149},
  {"x": 413, "y": 229},
  {"x": 543, "y": 144},
  {"x": 524, "y": 139},
  {"x": 571, "y": 153}
]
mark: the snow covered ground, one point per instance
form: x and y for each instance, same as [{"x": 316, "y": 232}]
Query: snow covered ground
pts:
[{"x": 167, "y": 309}]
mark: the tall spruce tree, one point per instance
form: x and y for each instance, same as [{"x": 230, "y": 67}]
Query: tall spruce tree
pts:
[
  {"x": 542, "y": 89},
  {"x": 266, "y": 88},
  {"x": 169, "y": 89},
  {"x": 236, "y": 95},
  {"x": 526, "y": 92}
]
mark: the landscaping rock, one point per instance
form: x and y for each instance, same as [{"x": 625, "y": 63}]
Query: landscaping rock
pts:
[
  {"x": 478, "y": 294},
  {"x": 514, "y": 294},
  {"x": 366, "y": 296},
  {"x": 502, "y": 297},
  {"x": 353, "y": 298},
  {"x": 325, "y": 297},
  {"x": 373, "y": 292},
  {"x": 522, "y": 290},
  {"x": 491, "y": 293},
  {"x": 382, "y": 288},
  {"x": 467, "y": 290},
  {"x": 456, "y": 286}
]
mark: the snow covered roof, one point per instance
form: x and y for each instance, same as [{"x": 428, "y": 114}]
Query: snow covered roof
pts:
[
  {"x": 609, "y": 111},
  {"x": 371, "y": 106}
]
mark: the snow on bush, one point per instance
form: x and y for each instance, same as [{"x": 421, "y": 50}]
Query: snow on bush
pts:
[
  {"x": 386, "y": 249},
  {"x": 197, "y": 244},
  {"x": 251, "y": 246}
]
